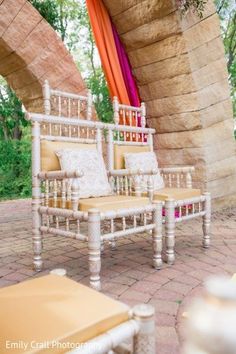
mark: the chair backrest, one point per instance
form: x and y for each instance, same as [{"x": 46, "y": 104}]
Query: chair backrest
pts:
[
  {"x": 129, "y": 115},
  {"x": 128, "y": 141},
  {"x": 65, "y": 104}
]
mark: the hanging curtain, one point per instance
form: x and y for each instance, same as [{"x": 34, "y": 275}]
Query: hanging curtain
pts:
[
  {"x": 114, "y": 59},
  {"x": 130, "y": 83},
  {"x": 103, "y": 34}
]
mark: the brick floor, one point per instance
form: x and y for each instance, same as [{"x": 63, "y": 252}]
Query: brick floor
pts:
[{"x": 126, "y": 272}]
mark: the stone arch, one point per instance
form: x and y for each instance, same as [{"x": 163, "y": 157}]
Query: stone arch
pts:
[
  {"x": 179, "y": 65},
  {"x": 30, "y": 52}
]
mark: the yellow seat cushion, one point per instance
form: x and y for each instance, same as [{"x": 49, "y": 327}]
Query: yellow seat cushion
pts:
[
  {"x": 49, "y": 160},
  {"x": 54, "y": 308},
  {"x": 120, "y": 150},
  {"x": 113, "y": 202},
  {"x": 234, "y": 277},
  {"x": 176, "y": 193}
]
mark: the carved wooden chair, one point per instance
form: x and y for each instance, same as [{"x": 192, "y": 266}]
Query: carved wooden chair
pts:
[
  {"x": 53, "y": 314},
  {"x": 60, "y": 208},
  {"x": 181, "y": 202}
]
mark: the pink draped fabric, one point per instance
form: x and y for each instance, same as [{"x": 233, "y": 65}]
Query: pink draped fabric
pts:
[
  {"x": 126, "y": 70},
  {"x": 115, "y": 62}
]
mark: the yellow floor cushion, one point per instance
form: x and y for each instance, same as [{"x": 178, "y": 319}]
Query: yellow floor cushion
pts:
[
  {"x": 114, "y": 202},
  {"x": 176, "y": 193},
  {"x": 54, "y": 308}
]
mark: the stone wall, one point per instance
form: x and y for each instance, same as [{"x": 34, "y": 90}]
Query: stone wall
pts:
[
  {"x": 180, "y": 69},
  {"x": 30, "y": 52},
  {"x": 181, "y": 72}
]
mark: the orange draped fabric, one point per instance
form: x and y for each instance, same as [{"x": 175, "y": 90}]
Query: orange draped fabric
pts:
[{"x": 102, "y": 29}]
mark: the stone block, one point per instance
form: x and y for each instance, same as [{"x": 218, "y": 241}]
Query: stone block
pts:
[
  {"x": 215, "y": 71},
  {"x": 189, "y": 102},
  {"x": 5, "y": 50},
  {"x": 222, "y": 187},
  {"x": 21, "y": 27},
  {"x": 20, "y": 78},
  {"x": 40, "y": 38},
  {"x": 144, "y": 12},
  {"x": 207, "y": 53},
  {"x": 8, "y": 10},
  {"x": 160, "y": 50},
  {"x": 30, "y": 92},
  {"x": 152, "y": 32},
  {"x": 216, "y": 113},
  {"x": 176, "y": 122},
  {"x": 203, "y": 32},
  {"x": 116, "y": 7},
  {"x": 197, "y": 138},
  {"x": 165, "y": 69},
  {"x": 191, "y": 18},
  {"x": 168, "y": 87},
  {"x": 221, "y": 168},
  {"x": 48, "y": 58},
  {"x": 11, "y": 63}
]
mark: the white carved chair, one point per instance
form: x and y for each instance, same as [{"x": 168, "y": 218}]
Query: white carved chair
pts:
[
  {"x": 66, "y": 104},
  {"x": 58, "y": 315},
  {"x": 181, "y": 202},
  {"x": 56, "y": 204}
]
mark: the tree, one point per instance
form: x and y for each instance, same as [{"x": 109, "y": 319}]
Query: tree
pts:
[
  {"x": 227, "y": 12},
  {"x": 70, "y": 19},
  {"x": 12, "y": 119}
]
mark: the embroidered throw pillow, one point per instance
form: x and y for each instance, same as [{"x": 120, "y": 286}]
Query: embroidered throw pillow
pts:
[
  {"x": 94, "y": 182},
  {"x": 145, "y": 161}
]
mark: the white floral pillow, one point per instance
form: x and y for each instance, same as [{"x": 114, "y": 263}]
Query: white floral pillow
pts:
[
  {"x": 94, "y": 182},
  {"x": 145, "y": 161}
]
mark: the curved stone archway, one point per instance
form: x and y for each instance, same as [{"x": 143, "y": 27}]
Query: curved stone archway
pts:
[
  {"x": 30, "y": 52},
  {"x": 180, "y": 69},
  {"x": 181, "y": 72}
]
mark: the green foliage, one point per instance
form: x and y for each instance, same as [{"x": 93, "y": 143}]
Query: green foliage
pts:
[
  {"x": 49, "y": 10},
  {"x": 12, "y": 119},
  {"x": 196, "y": 5},
  {"x": 102, "y": 103},
  {"x": 227, "y": 12},
  {"x": 15, "y": 169}
]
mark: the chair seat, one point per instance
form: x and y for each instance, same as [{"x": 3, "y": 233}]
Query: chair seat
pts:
[
  {"x": 112, "y": 202},
  {"x": 176, "y": 193},
  {"x": 54, "y": 308}
]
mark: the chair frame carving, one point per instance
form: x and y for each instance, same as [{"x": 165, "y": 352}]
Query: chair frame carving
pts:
[
  {"x": 51, "y": 186},
  {"x": 174, "y": 177}
]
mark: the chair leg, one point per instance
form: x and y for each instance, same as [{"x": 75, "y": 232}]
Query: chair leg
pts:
[
  {"x": 170, "y": 230},
  {"x": 206, "y": 221},
  {"x": 94, "y": 247},
  {"x": 144, "y": 340},
  {"x": 37, "y": 236},
  {"x": 113, "y": 244},
  {"x": 157, "y": 236}
]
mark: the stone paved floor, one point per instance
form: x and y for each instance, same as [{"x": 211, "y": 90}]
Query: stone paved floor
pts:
[{"x": 126, "y": 272}]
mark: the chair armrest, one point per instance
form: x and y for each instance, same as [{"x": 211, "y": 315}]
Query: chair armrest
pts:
[
  {"x": 128, "y": 182},
  {"x": 60, "y": 185},
  {"x": 60, "y": 175},
  {"x": 178, "y": 169},
  {"x": 126, "y": 172},
  {"x": 177, "y": 175}
]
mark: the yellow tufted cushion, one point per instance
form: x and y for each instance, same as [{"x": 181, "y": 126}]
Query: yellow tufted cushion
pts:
[
  {"x": 53, "y": 308},
  {"x": 120, "y": 150},
  {"x": 176, "y": 193},
  {"x": 49, "y": 160},
  {"x": 112, "y": 203}
]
